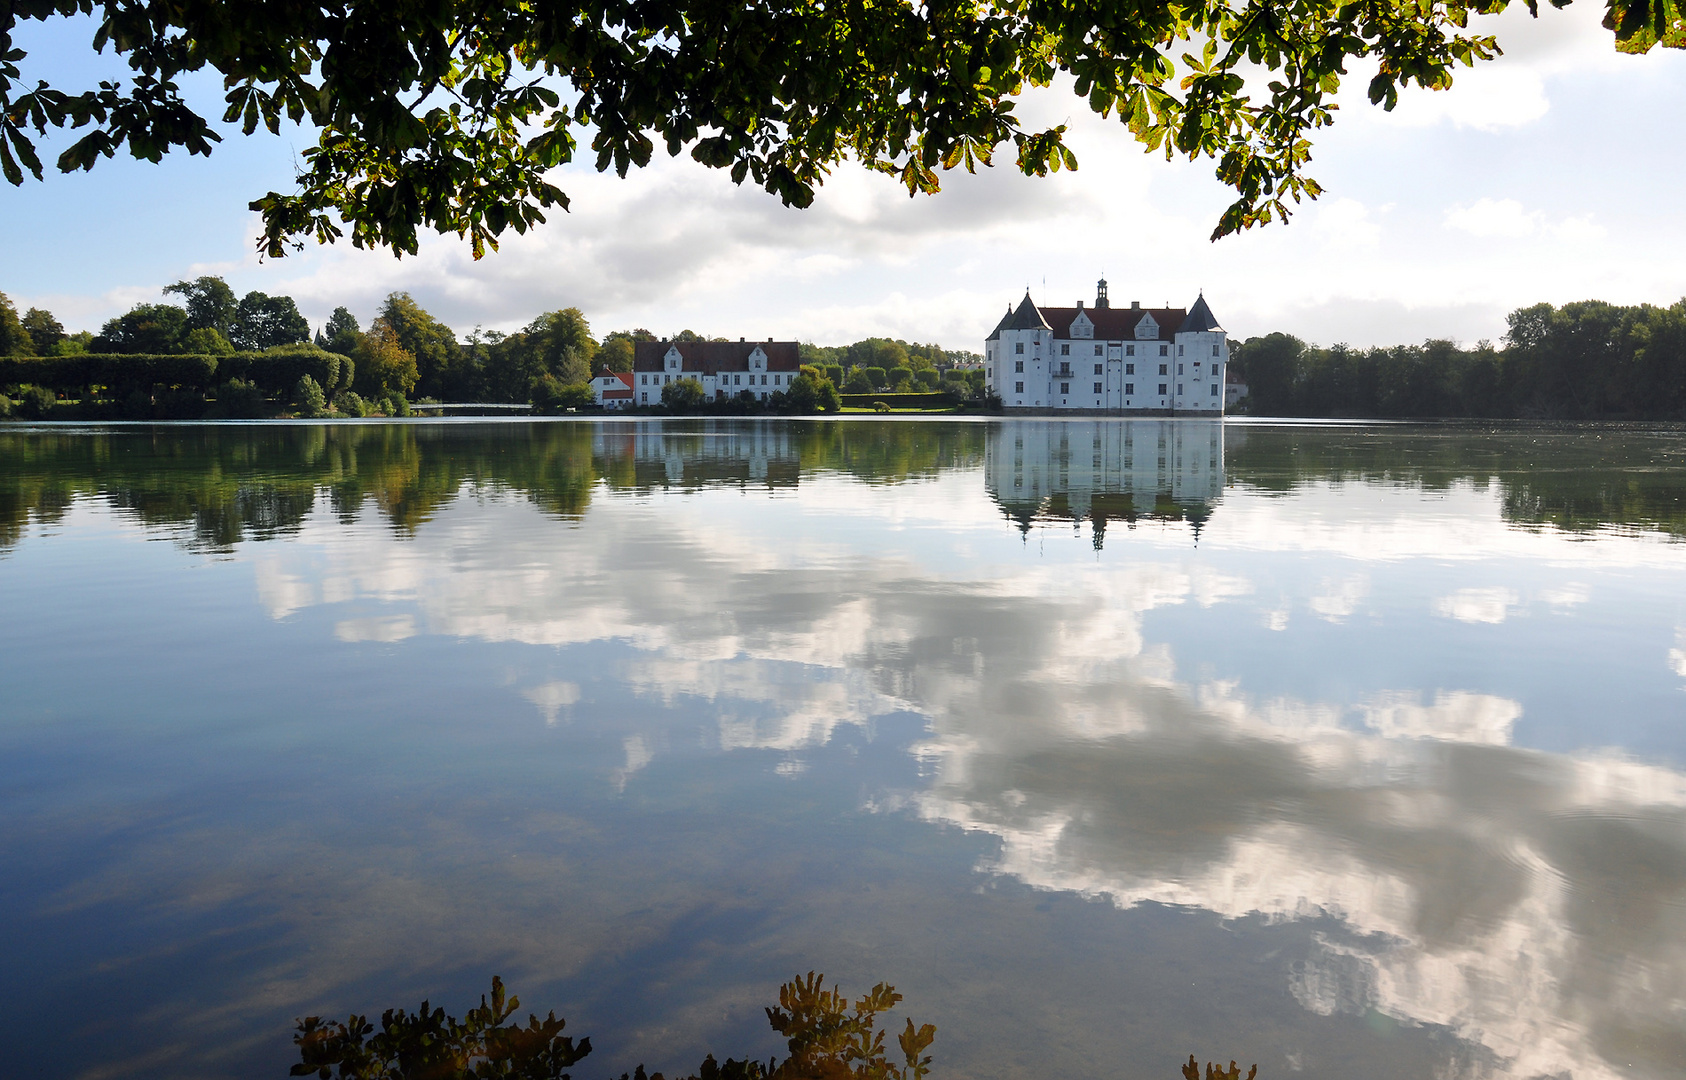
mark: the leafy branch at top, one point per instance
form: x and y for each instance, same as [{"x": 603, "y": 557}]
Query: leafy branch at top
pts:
[{"x": 450, "y": 114}]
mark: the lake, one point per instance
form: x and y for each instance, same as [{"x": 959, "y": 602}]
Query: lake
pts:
[{"x": 1346, "y": 750}]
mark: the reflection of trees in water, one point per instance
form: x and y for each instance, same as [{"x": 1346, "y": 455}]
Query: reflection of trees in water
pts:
[
  {"x": 1574, "y": 478},
  {"x": 225, "y": 484}
]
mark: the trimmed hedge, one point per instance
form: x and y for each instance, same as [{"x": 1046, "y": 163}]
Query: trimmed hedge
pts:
[
  {"x": 934, "y": 400},
  {"x": 278, "y": 371},
  {"x": 275, "y": 372},
  {"x": 69, "y": 374}
]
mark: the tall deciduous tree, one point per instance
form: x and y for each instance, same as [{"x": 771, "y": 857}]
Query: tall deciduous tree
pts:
[
  {"x": 431, "y": 342},
  {"x": 210, "y": 304},
  {"x": 557, "y": 334},
  {"x": 262, "y": 321},
  {"x": 14, "y": 339},
  {"x": 340, "y": 333},
  {"x": 452, "y": 116},
  {"x": 44, "y": 331},
  {"x": 383, "y": 364},
  {"x": 144, "y": 328}
]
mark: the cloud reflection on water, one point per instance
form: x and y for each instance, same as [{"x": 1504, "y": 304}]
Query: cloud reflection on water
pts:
[{"x": 1534, "y": 903}]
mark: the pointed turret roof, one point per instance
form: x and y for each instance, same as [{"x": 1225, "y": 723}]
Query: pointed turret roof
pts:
[
  {"x": 995, "y": 335},
  {"x": 1200, "y": 318},
  {"x": 1027, "y": 317}
]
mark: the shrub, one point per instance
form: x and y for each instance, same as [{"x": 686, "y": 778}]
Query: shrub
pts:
[
  {"x": 137, "y": 405},
  {"x": 395, "y": 404},
  {"x": 551, "y": 395},
  {"x": 6, "y": 407},
  {"x": 37, "y": 403},
  {"x": 179, "y": 405},
  {"x": 350, "y": 403},
  {"x": 808, "y": 395},
  {"x": 683, "y": 395},
  {"x": 238, "y": 399},
  {"x": 927, "y": 378},
  {"x": 827, "y": 1037},
  {"x": 206, "y": 340},
  {"x": 877, "y": 375},
  {"x": 834, "y": 372},
  {"x": 858, "y": 383},
  {"x": 308, "y": 398},
  {"x": 899, "y": 377}
]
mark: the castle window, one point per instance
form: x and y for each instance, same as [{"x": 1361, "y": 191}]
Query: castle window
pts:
[
  {"x": 1214, "y": 389},
  {"x": 1065, "y": 350},
  {"x": 1018, "y": 388},
  {"x": 1129, "y": 350},
  {"x": 1129, "y": 369},
  {"x": 1097, "y": 369},
  {"x": 1018, "y": 366},
  {"x": 1161, "y": 390},
  {"x": 1164, "y": 369},
  {"x": 1214, "y": 348},
  {"x": 1164, "y": 350},
  {"x": 1129, "y": 388},
  {"x": 1097, "y": 388},
  {"x": 1018, "y": 347},
  {"x": 1065, "y": 388},
  {"x": 1179, "y": 388},
  {"x": 1179, "y": 350},
  {"x": 1097, "y": 350}
]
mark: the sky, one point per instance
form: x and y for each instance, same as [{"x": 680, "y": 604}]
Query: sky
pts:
[{"x": 1550, "y": 174}]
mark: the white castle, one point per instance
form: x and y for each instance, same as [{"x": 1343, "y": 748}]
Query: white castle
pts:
[{"x": 1106, "y": 359}]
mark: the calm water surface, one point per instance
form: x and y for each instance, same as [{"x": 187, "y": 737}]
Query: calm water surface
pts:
[{"x": 1352, "y": 751}]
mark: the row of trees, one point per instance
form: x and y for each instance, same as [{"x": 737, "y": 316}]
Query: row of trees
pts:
[
  {"x": 405, "y": 350},
  {"x": 1582, "y": 361}
]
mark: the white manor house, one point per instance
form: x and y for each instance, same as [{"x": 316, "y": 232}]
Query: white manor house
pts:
[{"x": 1106, "y": 359}]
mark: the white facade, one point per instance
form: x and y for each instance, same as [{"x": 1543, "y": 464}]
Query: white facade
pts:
[
  {"x": 724, "y": 369},
  {"x": 1106, "y": 359},
  {"x": 613, "y": 389}
]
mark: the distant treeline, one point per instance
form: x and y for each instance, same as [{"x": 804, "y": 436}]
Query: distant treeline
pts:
[
  {"x": 1582, "y": 361},
  {"x": 407, "y": 353}
]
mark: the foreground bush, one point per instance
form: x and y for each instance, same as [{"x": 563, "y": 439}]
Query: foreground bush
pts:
[
  {"x": 308, "y": 398},
  {"x": 828, "y": 1039}
]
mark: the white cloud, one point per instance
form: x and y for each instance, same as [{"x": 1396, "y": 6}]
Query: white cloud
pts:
[
  {"x": 392, "y": 628},
  {"x": 1677, "y": 655},
  {"x": 1339, "y": 598},
  {"x": 552, "y": 698},
  {"x": 1494, "y": 217},
  {"x": 1457, "y": 716},
  {"x": 1570, "y": 594},
  {"x": 1482, "y": 605}
]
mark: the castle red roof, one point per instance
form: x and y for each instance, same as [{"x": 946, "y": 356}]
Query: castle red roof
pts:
[{"x": 1115, "y": 324}]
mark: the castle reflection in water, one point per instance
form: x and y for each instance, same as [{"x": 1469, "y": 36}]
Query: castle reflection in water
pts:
[
  {"x": 1105, "y": 471},
  {"x": 1039, "y": 472}
]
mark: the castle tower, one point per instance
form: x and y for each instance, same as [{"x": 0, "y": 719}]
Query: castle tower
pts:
[{"x": 1101, "y": 300}]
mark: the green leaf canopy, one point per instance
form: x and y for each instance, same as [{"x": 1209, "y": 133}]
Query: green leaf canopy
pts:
[{"x": 450, "y": 115}]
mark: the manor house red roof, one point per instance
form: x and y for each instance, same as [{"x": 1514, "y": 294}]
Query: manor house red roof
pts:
[{"x": 709, "y": 357}]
